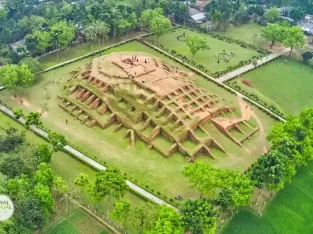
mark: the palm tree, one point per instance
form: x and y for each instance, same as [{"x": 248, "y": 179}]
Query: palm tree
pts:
[{"x": 90, "y": 33}]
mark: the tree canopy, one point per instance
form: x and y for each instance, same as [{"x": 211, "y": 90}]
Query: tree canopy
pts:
[{"x": 196, "y": 43}]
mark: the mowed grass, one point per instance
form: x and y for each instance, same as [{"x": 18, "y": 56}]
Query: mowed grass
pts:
[
  {"x": 207, "y": 57},
  {"x": 289, "y": 213},
  {"x": 287, "y": 85},
  {"x": 142, "y": 166},
  {"x": 249, "y": 33}
]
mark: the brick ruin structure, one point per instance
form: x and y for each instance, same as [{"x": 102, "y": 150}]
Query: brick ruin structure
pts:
[{"x": 155, "y": 101}]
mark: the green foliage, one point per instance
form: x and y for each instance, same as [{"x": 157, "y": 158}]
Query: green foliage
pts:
[
  {"x": 63, "y": 33},
  {"x": 19, "y": 187},
  {"x": 148, "y": 15},
  {"x": 121, "y": 211},
  {"x": 160, "y": 25},
  {"x": 32, "y": 63},
  {"x": 33, "y": 119},
  {"x": 142, "y": 217},
  {"x": 294, "y": 38},
  {"x": 13, "y": 166},
  {"x": 38, "y": 41},
  {"x": 273, "y": 33},
  {"x": 297, "y": 13},
  {"x": 59, "y": 185},
  {"x": 168, "y": 222},
  {"x": 18, "y": 113},
  {"x": 57, "y": 141},
  {"x": 198, "y": 216},
  {"x": 14, "y": 76},
  {"x": 30, "y": 213},
  {"x": 307, "y": 56},
  {"x": 28, "y": 24},
  {"x": 43, "y": 153},
  {"x": 82, "y": 181},
  {"x": 44, "y": 195},
  {"x": 44, "y": 175},
  {"x": 272, "y": 15},
  {"x": 110, "y": 183},
  {"x": 196, "y": 43},
  {"x": 11, "y": 140}
]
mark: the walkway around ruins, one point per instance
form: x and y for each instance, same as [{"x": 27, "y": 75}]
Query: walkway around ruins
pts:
[
  {"x": 89, "y": 161},
  {"x": 250, "y": 66}
]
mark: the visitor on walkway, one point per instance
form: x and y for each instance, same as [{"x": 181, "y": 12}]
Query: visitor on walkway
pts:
[
  {"x": 143, "y": 80},
  {"x": 66, "y": 121}
]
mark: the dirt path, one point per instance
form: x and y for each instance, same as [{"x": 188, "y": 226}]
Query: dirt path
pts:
[{"x": 247, "y": 112}]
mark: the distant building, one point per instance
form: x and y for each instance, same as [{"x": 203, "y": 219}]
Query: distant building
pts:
[
  {"x": 307, "y": 24},
  {"x": 18, "y": 44},
  {"x": 196, "y": 16}
]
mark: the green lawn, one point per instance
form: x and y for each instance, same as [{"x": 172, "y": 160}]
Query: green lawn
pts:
[
  {"x": 287, "y": 85},
  {"x": 207, "y": 57},
  {"x": 249, "y": 33},
  {"x": 82, "y": 49},
  {"x": 289, "y": 213},
  {"x": 142, "y": 166}
]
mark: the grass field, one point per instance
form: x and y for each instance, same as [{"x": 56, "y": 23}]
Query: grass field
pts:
[
  {"x": 207, "y": 57},
  {"x": 287, "y": 85},
  {"x": 249, "y": 33},
  {"x": 289, "y": 213},
  {"x": 81, "y": 49},
  {"x": 142, "y": 166}
]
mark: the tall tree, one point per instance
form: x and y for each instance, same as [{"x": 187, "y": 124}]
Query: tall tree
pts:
[
  {"x": 196, "y": 43},
  {"x": 297, "y": 13},
  {"x": 90, "y": 33},
  {"x": 102, "y": 31},
  {"x": 44, "y": 174},
  {"x": 160, "y": 25},
  {"x": 121, "y": 212},
  {"x": 272, "y": 15},
  {"x": 273, "y": 33},
  {"x": 32, "y": 63},
  {"x": 294, "y": 38},
  {"x": 44, "y": 195},
  {"x": 204, "y": 177},
  {"x": 168, "y": 222},
  {"x": 33, "y": 119},
  {"x": 56, "y": 141},
  {"x": 148, "y": 15},
  {"x": 198, "y": 216},
  {"x": 132, "y": 19}
]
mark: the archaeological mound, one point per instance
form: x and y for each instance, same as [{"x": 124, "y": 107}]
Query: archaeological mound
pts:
[{"x": 154, "y": 101}]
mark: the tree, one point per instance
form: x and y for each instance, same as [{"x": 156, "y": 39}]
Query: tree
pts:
[
  {"x": 18, "y": 113},
  {"x": 148, "y": 15},
  {"x": 142, "y": 217},
  {"x": 273, "y": 33},
  {"x": 59, "y": 185},
  {"x": 272, "y": 170},
  {"x": 12, "y": 140},
  {"x": 102, "y": 31},
  {"x": 43, "y": 153},
  {"x": 160, "y": 25},
  {"x": 29, "y": 213},
  {"x": 168, "y": 222},
  {"x": 90, "y": 33},
  {"x": 204, "y": 177},
  {"x": 110, "y": 184},
  {"x": 272, "y": 15},
  {"x": 33, "y": 119},
  {"x": 307, "y": 56},
  {"x": 198, "y": 216},
  {"x": 28, "y": 24},
  {"x": 121, "y": 212},
  {"x": 18, "y": 187},
  {"x": 297, "y": 13},
  {"x": 123, "y": 26},
  {"x": 44, "y": 195},
  {"x": 57, "y": 141},
  {"x": 14, "y": 76},
  {"x": 44, "y": 175},
  {"x": 38, "y": 41},
  {"x": 196, "y": 43},
  {"x": 13, "y": 166},
  {"x": 132, "y": 19},
  {"x": 82, "y": 181},
  {"x": 32, "y": 63},
  {"x": 294, "y": 38}
]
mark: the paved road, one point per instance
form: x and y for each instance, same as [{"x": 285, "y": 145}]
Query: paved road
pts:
[
  {"x": 220, "y": 83},
  {"x": 89, "y": 161},
  {"x": 250, "y": 66}
]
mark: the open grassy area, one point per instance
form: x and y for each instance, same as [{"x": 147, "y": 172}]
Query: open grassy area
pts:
[
  {"x": 142, "y": 166},
  {"x": 287, "y": 85},
  {"x": 249, "y": 33},
  {"x": 290, "y": 212},
  {"x": 82, "y": 49},
  {"x": 207, "y": 57}
]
